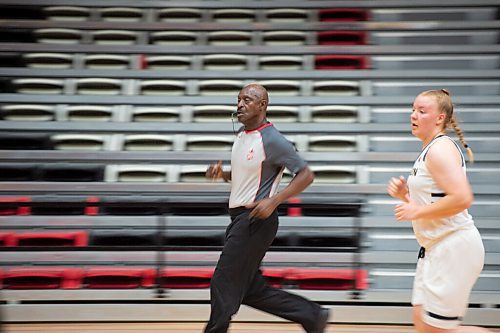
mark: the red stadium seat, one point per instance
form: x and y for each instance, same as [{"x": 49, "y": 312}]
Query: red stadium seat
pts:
[
  {"x": 294, "y": 211},
  {"x": 276, "y": 277},
  {"x": 91, "y": 210},
  {"x": 118, "y": 278},
  {"x": 7, "y": 239},
  {"x": 342, "y": 15},
  {"x": 328, "y": 278},
  {"x": 42, "y": 278},
  {"x": 21, "y": 210},
  {"x": 59, "y": 238},
  {"x": 341, "y": 37},
  {"x": 186, "y": 278},
  {"x": 333, "y": 62}
]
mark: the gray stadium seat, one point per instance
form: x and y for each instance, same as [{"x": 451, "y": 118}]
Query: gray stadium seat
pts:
[
  {"x": 179, "y": 15},
  {"x": 115, "y": 37},
  {"x": 39, "y": 86},
  {"x": 229, "y": 38},
  {"x": 194, "y": 174},
  {"x": 334, "y": 113},
  {"x": 173, "y": 38},
  {"x": 281, "y": 63},
  {"x": 283, "y": 87},
  {"x": 148, "y": 142},
  {"x": 48, "y": 60},
  {"x": 332, "y": 174},
  {"x": 121, "y": 14},
  {"x": 98, "y": 113},
  {"x": 336, "y": 88},
  {"x": 225, "y": 62},
  {"x": 283, "y": 113},
  {"x": 162, "y": 87},
  {"x": 329, "y": 143},
  {"x": 285, "y": 38},
  {"x": 67, "y": 13},
  {"x": 233, "y": 15},
  {"x": 107, "y": 61},
  {"x": 168, "y": 62},
  {"x": 208, "y": 143},
  {"x": 286, "y": 15},
  {"x": 219, "y": 87},
  {"x": 27, "y": 112},
  {"x": 58, "y": 36},
  {"x": 394, "y": 143},
  {"x": 98, "y": 86},
  {"x": 81, "y": 142},
  {"x": 154, "y": 114},
  {"x": 212, "y": 113},
  {"x": 136, "y": 173}
]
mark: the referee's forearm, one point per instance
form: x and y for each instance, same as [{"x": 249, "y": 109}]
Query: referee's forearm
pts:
[{"x": 297, "y": 185}]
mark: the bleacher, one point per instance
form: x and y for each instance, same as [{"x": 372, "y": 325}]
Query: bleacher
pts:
[{"x": 110, "y": 113}]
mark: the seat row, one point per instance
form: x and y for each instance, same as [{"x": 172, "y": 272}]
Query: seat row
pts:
[
  {"x": 222, "y": 113},
  {"x": 183, "y": 239},
  {"x": 246, "y": 38},
  {"x": 189, "y": 38},
  {"x": 222, "y": 142},
  {"x": 192, "y": 15},
  {"x": 172, "y": 277},
  {"x": 224, "y": 87},
  {"x": 196, "y": 237},
  {"x": 245, "y": 15},
  {"x": 186, "y": 113},
  {"x": 190, "y": 173},
  {"x": 207, "y": 62},
  {"x": 53, "y": 60},
  {"x": 69, "y": 172},
  {"x": 233, "y": 62}
]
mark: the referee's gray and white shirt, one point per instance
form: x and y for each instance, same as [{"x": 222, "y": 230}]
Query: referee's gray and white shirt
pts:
[{"x": 258, "y": 159}]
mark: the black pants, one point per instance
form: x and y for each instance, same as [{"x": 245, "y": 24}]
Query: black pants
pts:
[{"x": 237, "y": 279}]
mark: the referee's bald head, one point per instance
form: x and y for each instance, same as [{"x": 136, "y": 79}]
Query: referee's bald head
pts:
[{"x": 258, "y": 91}]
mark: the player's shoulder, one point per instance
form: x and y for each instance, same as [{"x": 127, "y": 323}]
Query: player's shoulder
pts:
[
  {"x": 443, "y": 150},
  {"x": 444, "y": 144}
]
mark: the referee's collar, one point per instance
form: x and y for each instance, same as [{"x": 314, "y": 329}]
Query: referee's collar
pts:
[{"x": 260, "y": 128}]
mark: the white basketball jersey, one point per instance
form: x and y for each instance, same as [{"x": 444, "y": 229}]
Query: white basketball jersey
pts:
[{"x": 423, "y": 190}]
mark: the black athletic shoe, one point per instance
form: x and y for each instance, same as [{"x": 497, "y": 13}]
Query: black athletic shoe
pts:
[{"x": 322, "y": 321}]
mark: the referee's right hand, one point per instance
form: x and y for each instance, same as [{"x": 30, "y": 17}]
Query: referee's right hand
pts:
[{"x": 214, "y": 171}]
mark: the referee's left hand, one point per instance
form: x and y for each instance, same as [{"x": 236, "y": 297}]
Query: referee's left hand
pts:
[{"x": 262, "y": 209}]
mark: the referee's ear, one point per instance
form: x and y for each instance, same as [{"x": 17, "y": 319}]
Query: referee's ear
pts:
[{"x": 263, "y": 105}]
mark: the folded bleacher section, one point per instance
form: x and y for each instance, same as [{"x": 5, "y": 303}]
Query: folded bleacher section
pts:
[{"x": 110, "y": 114}]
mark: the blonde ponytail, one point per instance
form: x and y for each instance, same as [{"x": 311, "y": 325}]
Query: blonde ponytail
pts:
[{"x": 460, "y": 134}]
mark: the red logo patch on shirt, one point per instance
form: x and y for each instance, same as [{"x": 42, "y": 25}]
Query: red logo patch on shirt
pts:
[{"x": 250, "y": 154}]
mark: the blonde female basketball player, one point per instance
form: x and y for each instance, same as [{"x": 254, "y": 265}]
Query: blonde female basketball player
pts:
[{"x": 435, "y": 198}]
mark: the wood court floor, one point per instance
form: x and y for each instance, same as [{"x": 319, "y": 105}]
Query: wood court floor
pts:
[{"x": 194, "y": 327}]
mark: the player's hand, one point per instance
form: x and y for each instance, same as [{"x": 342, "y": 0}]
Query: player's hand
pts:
[
  {"x": 406, "y": 211},
  {"x": 397, "y": 188}
]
